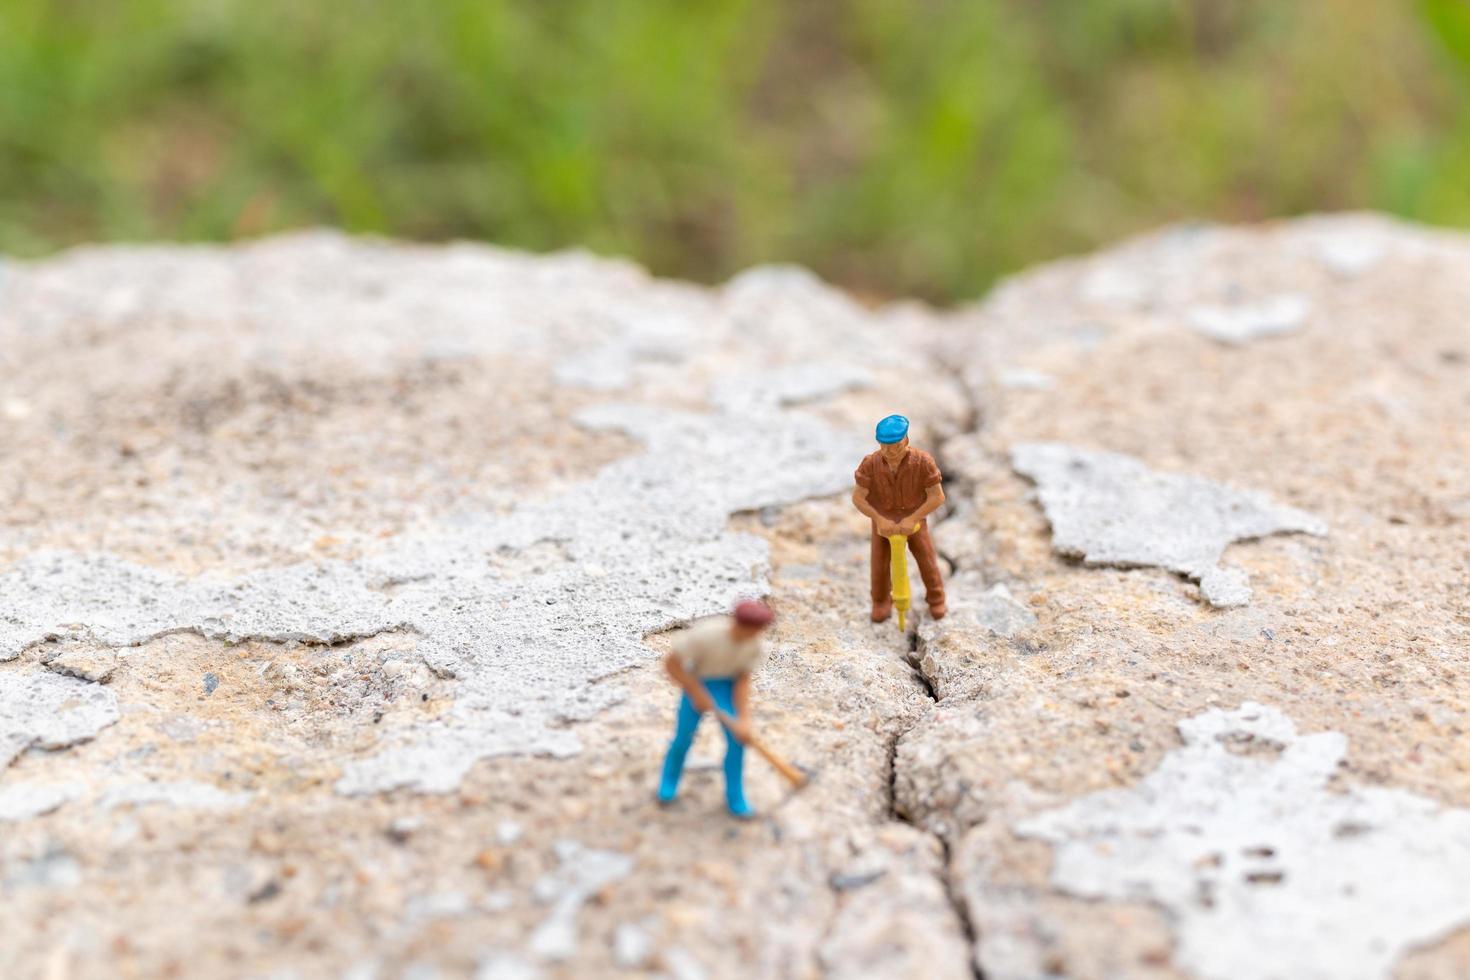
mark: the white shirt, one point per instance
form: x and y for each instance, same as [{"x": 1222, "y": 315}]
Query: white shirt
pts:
[{"x": 707, "y": 649}]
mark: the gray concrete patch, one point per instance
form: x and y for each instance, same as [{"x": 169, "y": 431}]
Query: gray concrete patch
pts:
[
  {"x": 613, "y": 363},
  {"x": 995, "y": 611},
  {"x": 46, "y": 710},
  {"x": 769, "y": 391},
  {"x": 25, "y": 801},
  {"x": 582, "y": 874},
  {"x": 1026, "y": 379},
  {"x": 1266, "y": 871},
  {"x": 1243, "y": 322},
  {"x": 191, "y": 795},
  {"x": 1110, "y": 509}
]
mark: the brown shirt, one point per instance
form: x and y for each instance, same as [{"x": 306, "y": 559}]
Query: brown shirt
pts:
[{"x": 896, "y": 492}]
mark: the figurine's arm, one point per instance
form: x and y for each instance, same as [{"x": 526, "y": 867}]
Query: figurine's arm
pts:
[
  {"x": 689, "y": 683},
  {"x": 933, "y": 497},
  {"x": 740, "y": 695},
  {"x": 884, "y": 525}
]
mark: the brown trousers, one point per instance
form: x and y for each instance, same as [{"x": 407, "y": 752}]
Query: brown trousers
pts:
[{"x": 922, "y": 548}]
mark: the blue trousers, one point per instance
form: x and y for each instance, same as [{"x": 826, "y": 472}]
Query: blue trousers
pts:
[{"x": 722, "y": 689}]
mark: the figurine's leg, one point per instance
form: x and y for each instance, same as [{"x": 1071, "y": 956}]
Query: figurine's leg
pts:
[
  {"x": 882, "y": 584},
  {"x": 684, "y": 730},
  {"x": 723, "y": 691},
  {"x": 922, "y": 545}
]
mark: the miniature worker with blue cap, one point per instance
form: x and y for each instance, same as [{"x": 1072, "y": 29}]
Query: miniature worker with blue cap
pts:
[
  {"x": 898, "y": 487},
  {"x": 711, "y": 662}
]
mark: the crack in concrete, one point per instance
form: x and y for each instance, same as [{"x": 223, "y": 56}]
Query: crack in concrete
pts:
[
  {"x": 947, "y": 879},
  {"x": 953, "y": 891}
]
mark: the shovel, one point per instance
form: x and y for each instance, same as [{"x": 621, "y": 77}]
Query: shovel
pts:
[{"x": 793, "y": 775}]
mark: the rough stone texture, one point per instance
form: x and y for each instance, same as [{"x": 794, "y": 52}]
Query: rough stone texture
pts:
[
  {"x": 1239, "y": 838},
  {"x": 382, "y": 544},
  {"x": 1108, "y": 509}
]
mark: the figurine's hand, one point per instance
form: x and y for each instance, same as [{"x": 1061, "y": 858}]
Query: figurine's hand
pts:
[
  {"x": 886, "y": 528},
  {"x": 906, "y": 527},
  {"x": 740, "y": 728}
]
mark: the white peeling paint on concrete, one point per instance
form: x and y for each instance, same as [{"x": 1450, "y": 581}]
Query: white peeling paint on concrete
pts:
[
  {"x": 583, "y": 873},
  {"x": 187, "y": 794},
  {"x": 1155, "y": 271},
  {"x": 503, "y": 965},
  {"x": 995, "y": 611},
  {"x": 50, "y": 711},
  {"x": 785, "y": 386},
  {"x": 1026, "y": 379},
  {"x": 1111, "y": 509},
  {"x": 283, "y": 300},
  {"x": 639, "y": 340},
  {"x": 1265, "y": 870},
  {"x": 1241, "y": 323},
  {"x": 26, "y": 801}
]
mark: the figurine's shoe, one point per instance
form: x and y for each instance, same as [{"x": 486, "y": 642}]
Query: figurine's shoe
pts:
[
  {"x": 668, "y": 789},
  {"x": 881, "y": 612},
  {"x": 740, "y": 809},
  {"x": 938, "y": 612}
]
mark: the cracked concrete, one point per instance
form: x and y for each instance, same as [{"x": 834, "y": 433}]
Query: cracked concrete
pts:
[{"x": 370, "y": 551}]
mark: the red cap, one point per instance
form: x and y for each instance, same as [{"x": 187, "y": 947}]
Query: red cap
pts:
[{"x": 753, "y": 613}]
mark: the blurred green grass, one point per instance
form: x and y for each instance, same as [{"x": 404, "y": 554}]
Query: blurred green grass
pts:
[{"x": 899, "y": 147}]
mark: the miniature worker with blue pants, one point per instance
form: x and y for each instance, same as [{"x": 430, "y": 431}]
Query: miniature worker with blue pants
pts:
[{"x": 712, "y": 662}]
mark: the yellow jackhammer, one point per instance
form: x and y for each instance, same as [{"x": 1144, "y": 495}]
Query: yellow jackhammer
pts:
[{"x": 898, "y": 570}]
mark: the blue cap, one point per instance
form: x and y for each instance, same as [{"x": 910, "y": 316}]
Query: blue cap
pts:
[{"x": 893, "y": 429}]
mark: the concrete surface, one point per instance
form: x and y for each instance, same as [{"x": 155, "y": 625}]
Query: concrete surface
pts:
[{"x": 334, "y": 575}]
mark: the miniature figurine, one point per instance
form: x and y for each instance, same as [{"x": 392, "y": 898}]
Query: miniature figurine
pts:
[
  {"x": 898, "y": 487},
  {"x": 712, "y": 662}
]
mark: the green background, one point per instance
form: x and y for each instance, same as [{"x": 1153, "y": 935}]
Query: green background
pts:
[{"x": 898, "y": 147}]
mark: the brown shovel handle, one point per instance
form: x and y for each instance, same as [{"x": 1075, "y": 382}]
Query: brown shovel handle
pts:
[{"x": 793, "y": 775}]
